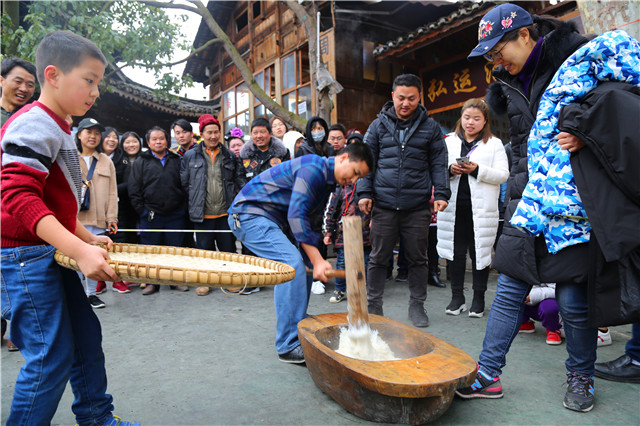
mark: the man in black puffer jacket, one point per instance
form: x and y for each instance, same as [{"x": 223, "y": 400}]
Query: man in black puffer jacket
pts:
[{"x": 410, "y": 158}]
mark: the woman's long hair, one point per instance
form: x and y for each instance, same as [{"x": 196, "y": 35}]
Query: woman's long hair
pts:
[{"x": 484, "y": 108}]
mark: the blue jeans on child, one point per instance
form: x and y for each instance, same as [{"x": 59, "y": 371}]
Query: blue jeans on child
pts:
[
  {"x": 58, "y": 335},
  {"x": 505, "y": 318},
  {"x": 341, "y": 283},
  {"x": 265, "y": 238}
]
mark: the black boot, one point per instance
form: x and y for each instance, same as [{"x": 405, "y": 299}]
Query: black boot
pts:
[
  {"x": 375, "y": 308},
  {"x": 477, "y": 305},
  {"x": 456, "y": 306},
  {"x": 418, "y": 315},
  {"x": 434, "y": 280}
]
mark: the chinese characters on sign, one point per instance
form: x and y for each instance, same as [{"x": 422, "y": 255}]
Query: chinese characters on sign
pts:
[
  {"x": 462, "y": 82},
  {"x": 454, "y": 84}
]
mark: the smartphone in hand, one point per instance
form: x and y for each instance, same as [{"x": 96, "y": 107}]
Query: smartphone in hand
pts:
[{"x": 462, "y": 160}]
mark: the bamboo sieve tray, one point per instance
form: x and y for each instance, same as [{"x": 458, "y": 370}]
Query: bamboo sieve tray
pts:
[{"x": 233, "y": 269}]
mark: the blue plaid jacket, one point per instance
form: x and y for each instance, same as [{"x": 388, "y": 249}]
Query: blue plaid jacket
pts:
[{"x": 289, "y": 193}]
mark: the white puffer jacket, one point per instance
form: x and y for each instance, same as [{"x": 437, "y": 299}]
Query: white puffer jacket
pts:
[{"x": 493, "y": 170}]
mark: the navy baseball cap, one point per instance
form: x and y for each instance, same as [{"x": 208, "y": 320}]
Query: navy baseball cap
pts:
[{"x": 496, "y": 23}]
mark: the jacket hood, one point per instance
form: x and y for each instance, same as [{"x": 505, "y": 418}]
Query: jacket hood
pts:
[
  {"x": 276, "y": 148},
  {"x": 312, "y": 120}
]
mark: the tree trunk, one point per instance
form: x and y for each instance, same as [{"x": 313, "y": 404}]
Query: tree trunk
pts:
[{"x": 309, "y": 23}]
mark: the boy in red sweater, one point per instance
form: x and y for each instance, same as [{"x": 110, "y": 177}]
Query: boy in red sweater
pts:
[{"x": 52, "y": 323}]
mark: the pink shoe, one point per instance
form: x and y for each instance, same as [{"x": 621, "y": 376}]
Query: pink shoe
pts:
[
  {"x": 101, "y": 287},
  {"x": 121, "y": 287}
]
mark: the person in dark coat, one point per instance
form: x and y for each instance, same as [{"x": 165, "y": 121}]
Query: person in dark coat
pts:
[
  {"x": 316, "y": 139},
  {"x": 129, "y": 149},
  {"x": 211, "y": 176},
  {"x": 528, "y": 52},
  {"x": 263, "y": 151},
  {"x": 157, "y": 196},
  {"x": 410, "y": 159}
]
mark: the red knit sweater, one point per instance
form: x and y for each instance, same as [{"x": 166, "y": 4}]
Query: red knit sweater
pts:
[{"x": 40, "y": 174}]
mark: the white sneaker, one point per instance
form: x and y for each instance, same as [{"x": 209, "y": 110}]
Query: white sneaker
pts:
[
  {"x": 317, "y": 287},
  {"x": 604, "y": 339}
]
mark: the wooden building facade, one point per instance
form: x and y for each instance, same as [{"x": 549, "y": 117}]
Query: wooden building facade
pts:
[{"x": 274, "y": 45}]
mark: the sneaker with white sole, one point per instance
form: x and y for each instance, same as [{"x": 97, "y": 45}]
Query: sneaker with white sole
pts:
[
  {"x": 604, "y": 338},
  {"x": 456, "y": 307},
  {"x": 553, "y": 337},
  {"x": 95, "y": 302},
  {"x": 483, "y": 387},
  {"x": 580, "y": 392},
  {"x": 337, "y": 297},
  {"x": 121, "y": 287}
]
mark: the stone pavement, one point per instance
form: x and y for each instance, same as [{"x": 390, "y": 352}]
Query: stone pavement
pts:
[{"x": 176, "y": 358}]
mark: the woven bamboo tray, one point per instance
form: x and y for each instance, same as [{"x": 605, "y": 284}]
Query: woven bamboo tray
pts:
[{"x": 170, "y": 275}]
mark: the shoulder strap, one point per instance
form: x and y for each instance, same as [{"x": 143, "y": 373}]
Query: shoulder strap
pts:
[{"x": 92, "y": 168}]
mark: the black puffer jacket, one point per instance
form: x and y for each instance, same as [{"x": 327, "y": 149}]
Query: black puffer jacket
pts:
[
  {"x": 157, "y": 188},
  {"x": 403, "y": 176},
  {"x": 126, "y": 214},
  {"x": 308, "y": 146},
  {"x": 254, "y": 164},
  {"x": 607, "y": 172},
  {"x": 516, "y": 252},
  {"x": 194, "y": 175}
]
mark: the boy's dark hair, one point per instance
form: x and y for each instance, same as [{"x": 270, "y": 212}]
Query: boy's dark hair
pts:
[
  {"x": 408, "y": 80},
  {"x": 261, "y": 122},
  {"x": 66, "y": 51},
  {"x": 10, "y": 63},
  {"x": 153, "y": 129},
  {"x": 339, "y": 127},
  {"x": 184, "y": 125},
  {"x": 359, "y": 152}
]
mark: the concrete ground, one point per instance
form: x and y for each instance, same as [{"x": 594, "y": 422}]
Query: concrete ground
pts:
[{"x": 176, "y": 358}]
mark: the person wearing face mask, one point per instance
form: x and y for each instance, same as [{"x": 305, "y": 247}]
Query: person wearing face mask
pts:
[{"x": 316, "y": 139}]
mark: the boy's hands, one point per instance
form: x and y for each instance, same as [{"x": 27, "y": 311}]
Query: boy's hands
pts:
[
  {"x": 92, "y": 261},
  {"x": 327, "y": 240},
  {"x": 101, "y": 239}
]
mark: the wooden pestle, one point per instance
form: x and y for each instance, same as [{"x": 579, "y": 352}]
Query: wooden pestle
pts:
[{"x": 355, "y": 273}]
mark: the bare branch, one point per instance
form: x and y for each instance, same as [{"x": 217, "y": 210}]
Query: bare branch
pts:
[
  {"x": 192, "y": 54},
  {"x": 163, "y": 5}
]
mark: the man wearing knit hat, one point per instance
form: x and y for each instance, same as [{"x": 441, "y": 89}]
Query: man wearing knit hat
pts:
[{"x": 211, "y": 176}]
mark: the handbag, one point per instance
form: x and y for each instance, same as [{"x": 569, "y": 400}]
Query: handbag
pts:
[{"x": 85, "y": 198}]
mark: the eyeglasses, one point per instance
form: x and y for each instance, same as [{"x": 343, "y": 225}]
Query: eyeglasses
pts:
[{"x": 491, "y": 57}]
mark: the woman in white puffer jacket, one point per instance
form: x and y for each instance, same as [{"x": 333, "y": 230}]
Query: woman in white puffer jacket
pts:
[{"x": 477, "y": 167}]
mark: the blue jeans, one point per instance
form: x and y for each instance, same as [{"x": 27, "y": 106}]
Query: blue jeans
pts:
[
  {"x": 505, "y": 318},
  {"x": 341, "y": 283},
  {"x": 59, "y": 336},
  {"x": 633, "y": 345},
  {"x": 265, "y": 238}
]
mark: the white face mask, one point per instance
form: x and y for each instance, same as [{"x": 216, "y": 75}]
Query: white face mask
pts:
[{"x": 317, "y": 136}]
